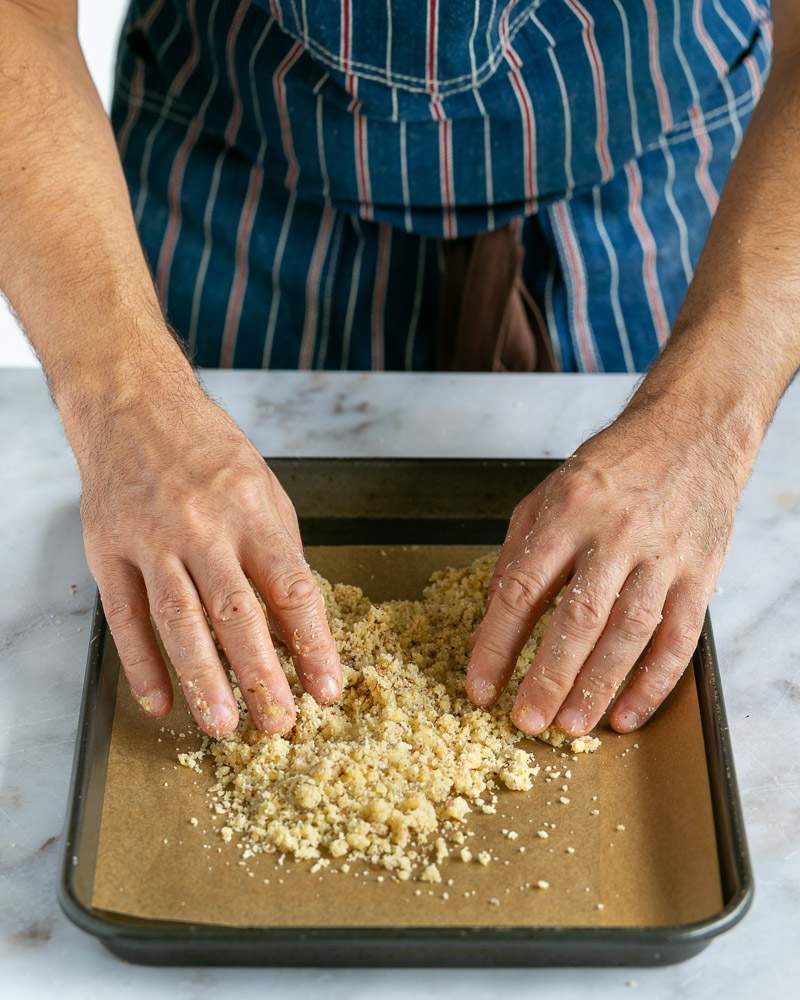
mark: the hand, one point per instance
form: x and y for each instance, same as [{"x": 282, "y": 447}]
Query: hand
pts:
[
  {"x": 636, "y": 524},
  {"x": 178, "y": 511}
]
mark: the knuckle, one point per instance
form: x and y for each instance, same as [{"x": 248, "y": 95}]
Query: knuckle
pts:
[
  {"x": 519, "y": 589},
  {"x": 636, "y": 623},
  {"x": 120, "y": 613},
  {"x": 234, "y": 608},
  {"x": 602, "y": 686},
  {"x": 554, "y": 684},
  {"x": 249, "y": 489},
  {"x": 293, "y": 589},
  {"x": 681, "y": 641},
  {"x": 172, "y": 607},
  {"x": 657, "y": 684},
  {"x": 582, "y": 613}
]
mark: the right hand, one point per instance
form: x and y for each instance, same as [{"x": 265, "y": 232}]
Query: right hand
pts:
[{"x": 178, "y": 511}]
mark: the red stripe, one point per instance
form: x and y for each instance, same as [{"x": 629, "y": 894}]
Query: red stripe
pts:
[
  {"x": 711, "y": 49},
  {"x": 175, "y": 183},
  {"x": 152, "y": 14},
  {"x": 362, "y": 167},
  {"x": 279, "y": 90},
  {"x": 446, "y": 181},
  {"x": 579, "y": 288},
  {"x": 504, "y": 36},
  {"x": 645, "y": 237},
  {"x": 236, "y": 115},
  {"x": 312, "y": 288},
  {"x": 240, "y": 275},
  {"x": 599, "y": 82},
  {"x": 137, "y": 92},
  {"x": 523, "y": 99},
  {"x": 664, "y": 109},
  {"x": 432, "y": 43},
  {"x": 379, "y": 296},
  {"x": 701, "y": 173},
  {"x": 346, "y": 42}
]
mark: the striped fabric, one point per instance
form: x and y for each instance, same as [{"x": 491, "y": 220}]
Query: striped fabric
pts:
[{"x": 294, "y": 164}]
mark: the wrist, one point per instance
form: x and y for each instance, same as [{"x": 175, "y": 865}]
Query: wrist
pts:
[
  {"x": 97, "y": 390},
  {"x": 689, "y": 410}
]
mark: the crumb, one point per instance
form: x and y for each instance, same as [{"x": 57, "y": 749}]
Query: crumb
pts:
[
  {"x": 542, "y": 884},
  {"x": 390, "y": 773}
]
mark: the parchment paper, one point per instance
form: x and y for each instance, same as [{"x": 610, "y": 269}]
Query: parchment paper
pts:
[{"x": 661, "y": 869}]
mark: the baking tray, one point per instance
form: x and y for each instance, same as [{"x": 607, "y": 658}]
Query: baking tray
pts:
[{"x": 374, "y": 502}]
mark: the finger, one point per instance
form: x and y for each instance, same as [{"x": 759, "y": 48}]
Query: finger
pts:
[
  {"x": 125, "y": 606},
  {"x": 664, "y": 662},
  {"x": 279, "y": 570},
  {"x": 181, "y": 623},
  {"x": 526, "y": 583},
  {"x": 241, "y": 628},
  {"x": 633, "y": 619},
  {"x": 518, "y": 542},
  {"x": 569, "y": 638}
]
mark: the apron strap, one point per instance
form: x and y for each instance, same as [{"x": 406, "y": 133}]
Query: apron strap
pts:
[{"x": 488, "y": 320}]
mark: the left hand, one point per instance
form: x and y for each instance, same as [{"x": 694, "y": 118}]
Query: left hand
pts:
[{"x": 636, "y": 524}]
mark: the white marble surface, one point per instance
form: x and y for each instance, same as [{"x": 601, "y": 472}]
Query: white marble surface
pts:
[{"x": 44, "y": 629}]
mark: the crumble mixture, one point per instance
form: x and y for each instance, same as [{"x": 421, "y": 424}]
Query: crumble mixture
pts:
[{"x": 390, "y": 773}]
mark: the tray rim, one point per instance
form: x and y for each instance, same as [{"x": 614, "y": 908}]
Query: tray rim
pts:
[{"x": 667, "y": 944}]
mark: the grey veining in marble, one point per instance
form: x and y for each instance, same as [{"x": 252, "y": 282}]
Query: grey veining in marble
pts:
[{"x": 45, "y": 599}]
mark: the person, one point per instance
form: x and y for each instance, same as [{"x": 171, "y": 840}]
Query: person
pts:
[{"x": 519, "y": 185}]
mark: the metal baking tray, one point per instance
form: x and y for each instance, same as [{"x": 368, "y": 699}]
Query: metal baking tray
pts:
[{"x": 376, "y": 501}]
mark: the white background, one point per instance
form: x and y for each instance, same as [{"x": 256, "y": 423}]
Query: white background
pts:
[{"x": 99, "y": 26}]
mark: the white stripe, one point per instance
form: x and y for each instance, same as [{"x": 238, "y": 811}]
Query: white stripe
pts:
[
  {"x": 327, "y": 300},
  {"x": 626, "y": 41},
  {"x": 489, "y": 50},
  {"x": 473, "y": 66},
  {"x": 568, "y": 174},
  {"x": 552, "y": 325},
  {"x": 353, "y": 295},
  {"x": 280, "y": 249},
  {"x": 677, "y": 215},
  {"x": 404, "y": 177},
  {"x": 616, "y": 307},
  {"x": 422, "y": 249},
  {"x": 323, "y": 164},
  {"x": 723, "y": 79},
  {"x": 487, "y": 159},
  {"x": 305, "y": 21},
  {"x": 389, "y": 41},
  {"x": 676, "y": 41},
  {"x": 730, "y": 25}
]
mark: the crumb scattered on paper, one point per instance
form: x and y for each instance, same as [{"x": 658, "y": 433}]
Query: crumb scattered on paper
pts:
[{"x": 389, "y": 774}]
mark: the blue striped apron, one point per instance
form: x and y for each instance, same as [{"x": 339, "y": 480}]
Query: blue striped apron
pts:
[{"x": 294, "y": 165}]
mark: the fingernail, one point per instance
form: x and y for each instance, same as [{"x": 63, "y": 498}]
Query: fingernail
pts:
[
  {"x": 222, "y": 718},
  {"x": 529, "y": 719},
  {"x": 154, "y": 702},
  {"x": 328, "y": 688},
  {"x": 482, "y": 692},
  {"x": 627, "y": 720},
  {"x": 276, "y": 718},
  {"x": 571, "y": 720}
]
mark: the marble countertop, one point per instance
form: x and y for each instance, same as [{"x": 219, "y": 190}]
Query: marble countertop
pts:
[{"x": 46, "y": 595}]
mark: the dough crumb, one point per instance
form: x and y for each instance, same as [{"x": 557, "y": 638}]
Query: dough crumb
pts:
[{"x": 390, "y": 773}]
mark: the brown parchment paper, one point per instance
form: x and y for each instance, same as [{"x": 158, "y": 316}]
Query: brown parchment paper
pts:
[{"x": 661, "y": 869}]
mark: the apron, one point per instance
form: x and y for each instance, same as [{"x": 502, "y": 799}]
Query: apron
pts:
[{"x": 413, "y": 184}]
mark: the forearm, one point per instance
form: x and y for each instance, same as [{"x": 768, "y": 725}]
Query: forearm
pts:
[
  {"x": 736, "y": 343},
  {"x": 70, "y": 260}
]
